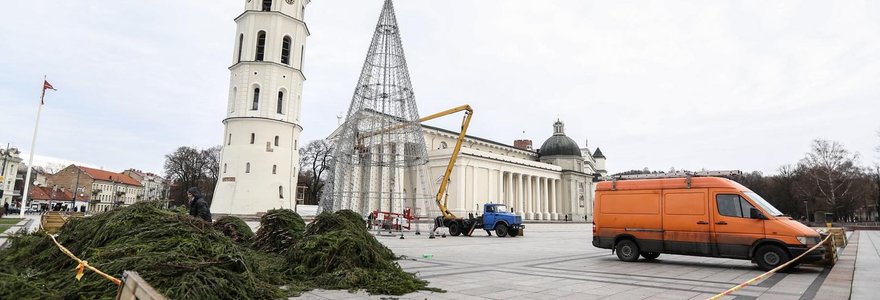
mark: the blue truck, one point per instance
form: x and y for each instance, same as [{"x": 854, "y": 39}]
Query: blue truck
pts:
[{"x": 495, "y": 217}]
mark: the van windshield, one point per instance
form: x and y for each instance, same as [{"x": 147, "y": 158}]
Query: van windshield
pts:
[{"x": 763, "y": 203}]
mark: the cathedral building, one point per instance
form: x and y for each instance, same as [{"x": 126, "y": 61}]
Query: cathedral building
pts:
[
  {"x": 554, "y": 182},
  {"x": 258, "y": 167}
]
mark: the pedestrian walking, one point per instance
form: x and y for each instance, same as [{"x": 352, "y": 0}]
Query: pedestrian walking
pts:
[
  {"x": 5, "y": 208},
  {"x": 197, "y": 206}
]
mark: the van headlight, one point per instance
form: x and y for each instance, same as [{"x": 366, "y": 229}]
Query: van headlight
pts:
[{"x": 808, "y": 240}]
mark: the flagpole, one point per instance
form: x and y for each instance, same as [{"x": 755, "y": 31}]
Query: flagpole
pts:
[{"x": 30, "y": 165}]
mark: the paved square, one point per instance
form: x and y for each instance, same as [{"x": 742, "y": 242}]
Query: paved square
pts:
[{"x": 558, "y": 261}]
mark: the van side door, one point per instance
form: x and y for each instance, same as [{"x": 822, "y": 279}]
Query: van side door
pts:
[
  {"x": 686, "y": 223},
  {"x": 734, "y": 230}
]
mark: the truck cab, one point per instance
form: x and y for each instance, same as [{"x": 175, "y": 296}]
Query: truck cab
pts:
[{"x": 497, "y": 217}]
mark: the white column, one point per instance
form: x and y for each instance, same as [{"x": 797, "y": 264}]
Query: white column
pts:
[
  {"x": 547, "y": 199},
  {"x": 499, "y": 197},
  {"x": 460, "y": 194},
  {"x": 536, "y": 198},
  {"x": 520, "y": 208},
  {"x": 529, "y": 195},
  {"x": 511, "y": 201},
  {"x": 474, "y": 199},
  {"x": 553, "y": 200}
]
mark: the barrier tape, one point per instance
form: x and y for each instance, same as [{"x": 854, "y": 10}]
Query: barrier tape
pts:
[
  {"x": 750, "y": 281},
  {"x": 80, "y": 269}
]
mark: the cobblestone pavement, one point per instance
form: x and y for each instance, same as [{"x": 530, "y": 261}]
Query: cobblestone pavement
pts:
[
  {"x": 867, "y": 269},
  {"x": 557, "y": 261}
]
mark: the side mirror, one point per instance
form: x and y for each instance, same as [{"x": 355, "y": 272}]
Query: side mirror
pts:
[{"x": 754, "y": 213}]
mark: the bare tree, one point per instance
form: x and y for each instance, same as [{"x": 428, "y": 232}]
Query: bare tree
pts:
[
  {"x": 829, "y": 174},
  {"x": 314, "y": 161},
  {"x": 211, "y": 170},
  {"x": 186, "y": 167}
]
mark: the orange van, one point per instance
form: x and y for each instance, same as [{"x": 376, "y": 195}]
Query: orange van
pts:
[{"x": 704, "y": 216}]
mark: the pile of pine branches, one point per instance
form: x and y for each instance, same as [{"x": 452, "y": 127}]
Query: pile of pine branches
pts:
[{"x": 186, "y": 258}]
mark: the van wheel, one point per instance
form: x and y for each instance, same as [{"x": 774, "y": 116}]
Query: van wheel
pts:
[
  {"x": 770, "y": 256},
  {"x": 627, "y": 250},
  {"x": 454, "y": 229},
  {"x": 513, "y": 232},
  {"x": 650, "y": 255},
  {"x": 501, "y": 230}
]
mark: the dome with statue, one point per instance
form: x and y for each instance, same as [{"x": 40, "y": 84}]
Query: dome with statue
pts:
[{"x": 559, "y": 144}]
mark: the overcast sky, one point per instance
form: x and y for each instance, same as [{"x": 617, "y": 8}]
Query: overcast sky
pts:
[{"x": 687, "y": 84}]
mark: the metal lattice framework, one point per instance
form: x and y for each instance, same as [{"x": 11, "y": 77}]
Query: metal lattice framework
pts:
[{"x": 380, "y": 158}]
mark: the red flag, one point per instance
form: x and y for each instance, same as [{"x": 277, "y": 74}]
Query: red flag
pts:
[{"x": 46, "y": 85}]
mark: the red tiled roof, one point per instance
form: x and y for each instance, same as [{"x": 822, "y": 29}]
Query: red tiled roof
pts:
[
  {"x": 109, "y": 176},
  {"x": 47, "y": 193}
]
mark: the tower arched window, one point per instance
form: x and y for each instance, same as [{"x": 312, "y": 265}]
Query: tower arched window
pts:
[
  {"x": 285, "y": 50},
  {"x": 276, "y": 141},
  {"x": 224, "y": 168},
  {"x": 256, "y": 103},
  {"x": 229, "y": 140},
  {"x": 280, "y": 103},
  {"x": 240, "y": 46},
  {"x": 274, "y": 169},
  {"x": 281, "y": 192},
  {"x": 247, "y": 168},
  {"x": 253, "y": 137},
  {"x": 267, "y": 5},
  {"x": 261, "y": 45}
]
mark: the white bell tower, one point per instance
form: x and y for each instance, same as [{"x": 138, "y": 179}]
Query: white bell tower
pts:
[{"x": 259, "y": 160}]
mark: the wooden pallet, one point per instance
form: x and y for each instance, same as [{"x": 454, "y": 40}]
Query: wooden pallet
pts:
[{"x": 136, "y": 288}]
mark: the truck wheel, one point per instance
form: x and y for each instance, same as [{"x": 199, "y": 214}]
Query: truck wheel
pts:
[
  {"x": 770, "y": 256},
  {"x": 501, "y": 230},
  {"x": 454, "y": 229},
  {"x": 513, "y": 232},
  {"x": 650, "y": 255},
  {"x": 627, "y": 250}
]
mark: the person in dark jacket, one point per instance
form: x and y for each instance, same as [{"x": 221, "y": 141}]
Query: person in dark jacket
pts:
[{"x": 197, "y": 206}]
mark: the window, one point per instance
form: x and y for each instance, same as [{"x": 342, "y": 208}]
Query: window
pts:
[
  {"x": 274, "y": 169},
  {"x": 267, "y": 5},
  {"x": 253, "y": 137},
  {"x": 229, "y": 140},
  {"x": 224, "y": 168},
  {"x": 302, "y": 52},
  {"x": 232, "y": 99},
  {"x": 280, "y": 103},
  {"x": 733, "y": 206},
  {"x": 285, "y": 50},
  {"x": 247, "y": 168},
  {"x": 261, "y": 45},
  {"x": 276, "y": 141},
  {"x": 240, "y": 46},
  {"x": 256, "y": 103},
  {"x": 281, "y": 192}
]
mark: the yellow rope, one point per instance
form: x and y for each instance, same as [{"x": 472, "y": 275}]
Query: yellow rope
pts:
[
  {"x": 80, "y": 269},
  {"x": 750, "y": 281}
]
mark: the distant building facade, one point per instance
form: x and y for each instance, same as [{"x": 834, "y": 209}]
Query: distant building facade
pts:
[
  {"x": 104, "y": 190},
  {"x": 10, "y": 162},
  {"x": 155, "y": 186}
]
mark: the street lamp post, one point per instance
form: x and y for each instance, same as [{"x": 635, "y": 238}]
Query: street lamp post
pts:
[{"x": 807, "y": 210}]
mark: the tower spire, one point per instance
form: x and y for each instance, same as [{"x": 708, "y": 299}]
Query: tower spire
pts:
[{"x": 380, "y": 157}]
